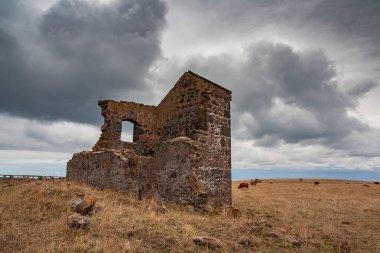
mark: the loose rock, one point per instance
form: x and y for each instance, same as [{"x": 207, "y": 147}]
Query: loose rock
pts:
[
  {"x": 295, "y": 241},
  {"x": 209, "y": 242},
  {"x": 272, "y": 234},
  {"x": 85, "y": 206},
  {"x": 246, "y": 241},
  {"x": 77, "y": 220},
  {"x": 82, "y": 205},
  {"x": 74, "y": 202}
]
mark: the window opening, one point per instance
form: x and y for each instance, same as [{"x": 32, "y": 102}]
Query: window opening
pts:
[{"x": 127, "y": 131}]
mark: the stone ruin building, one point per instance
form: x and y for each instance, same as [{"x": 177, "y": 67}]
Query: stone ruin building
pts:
[{"x": 181, "y": 149}]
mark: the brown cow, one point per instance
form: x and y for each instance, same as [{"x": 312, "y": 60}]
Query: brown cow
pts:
[
  {"x": 316, "y": 183},
  {"x": 366, "y": 185},
  {"x": 376, "y": 182},
  {"x": 253, "y": 183},
  {"x": 301, "y": 179},
  {"x": 243, "y": 185}
]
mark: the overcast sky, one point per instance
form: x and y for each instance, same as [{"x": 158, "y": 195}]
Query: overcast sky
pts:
[{"x": 304, "y": 75}]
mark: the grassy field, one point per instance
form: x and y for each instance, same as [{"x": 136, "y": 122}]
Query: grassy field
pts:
[{"x": 282, "y": 216}]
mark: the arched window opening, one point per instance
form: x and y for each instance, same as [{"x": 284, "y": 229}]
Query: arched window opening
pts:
[{"x": 127, "y": 131}]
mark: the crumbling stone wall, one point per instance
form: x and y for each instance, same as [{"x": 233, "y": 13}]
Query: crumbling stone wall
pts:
[
  {"x": 181, "y": 149},
  {"x": 143, "y": 118}
]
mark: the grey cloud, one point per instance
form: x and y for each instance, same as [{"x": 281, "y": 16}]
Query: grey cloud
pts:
[
  {"x": 79, "y": 53},
  {"x": 355, "y": 90},
  {"x": 292, "y": 96},
  {"x": 348, "y": 17},
  {"x": 24, "y": 134},
  {"x": 8, "y": 9},
  {"x": 346, "y": 29}
]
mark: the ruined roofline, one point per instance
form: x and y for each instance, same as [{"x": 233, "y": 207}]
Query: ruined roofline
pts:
[
  {"x": 199, "y": 77},
  {"x": 215, "y": 84},
  {"x": 101, "y": 102}
]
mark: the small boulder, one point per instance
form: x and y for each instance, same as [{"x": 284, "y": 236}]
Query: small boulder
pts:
[
  {"x": 272, "y": 234},
  {"x": 85, "y": 206},
  {"x": 206, "y": 241},
  {"x": 82, "y": 205},
  {"x": 77, "y": 220},
  {"x": 246, "y": 241},
  {"x": 294, "y": 241}
]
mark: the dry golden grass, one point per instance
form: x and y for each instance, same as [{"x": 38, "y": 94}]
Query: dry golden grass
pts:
[{"x": 331, "y": 217}]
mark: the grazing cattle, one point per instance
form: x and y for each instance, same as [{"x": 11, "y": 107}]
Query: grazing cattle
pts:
[
  {"x": 376, "y": 182},
  {"x": 347, "y": 182},
  {"x": 271, "y": 182},
  {"x": 301, "y": 179},
  {"x": 366, "y": 185},
  {"x": 253, "y": 183},
  {"x": 243, "y": 185},
  {"x": 316, "y": 183}
]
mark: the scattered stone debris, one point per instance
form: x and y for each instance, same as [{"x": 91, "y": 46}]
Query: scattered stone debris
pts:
[
  {"x": 74, "y": 202},
  {"x": 246, "y": 241},
  {"x": 77, "y": 220},
  {"x": 82, "y": 205},
  {"x": 272, "y": 234},
  {"x": 85, "y": 206},
  {"x": 295, "y": 241},
  {"x": 209, "y": 242}
]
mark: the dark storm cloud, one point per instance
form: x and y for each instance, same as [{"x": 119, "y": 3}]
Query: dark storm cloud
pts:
[
  {"x": 284, "y": 95},
  {"x": 351, "y": 17},
  {"x": 76, "y": 54},
  {"x": 286, "y": 90}
]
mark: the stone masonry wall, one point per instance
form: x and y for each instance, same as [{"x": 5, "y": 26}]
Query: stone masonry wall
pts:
[
  {"x": 181, "y": 149},
  {"x": 143, "y": 118}
]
